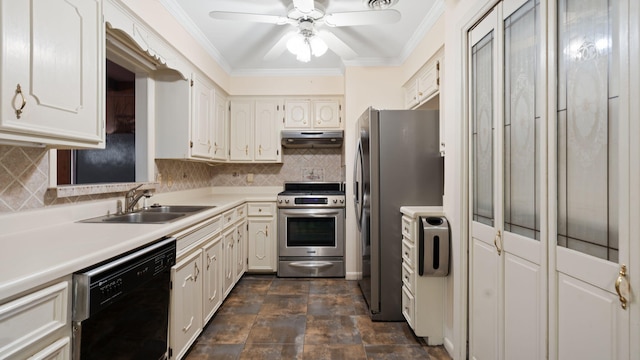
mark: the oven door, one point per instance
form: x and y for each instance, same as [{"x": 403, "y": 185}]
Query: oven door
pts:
[{"x": 311, "y": 232}]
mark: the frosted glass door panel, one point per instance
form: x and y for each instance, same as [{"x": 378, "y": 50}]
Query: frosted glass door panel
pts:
[
  {"x": 522, "y": 117},
  {"x": 587, "y": 122},
  {"x": 482, "y": 129}
]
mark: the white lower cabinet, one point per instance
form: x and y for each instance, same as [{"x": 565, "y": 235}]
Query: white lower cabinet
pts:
[
  {"x": 262, "y": 238},
  {"x": 422, "y": 296},
  {"x": 212, "y": 269},
  {"x": 186, "y": 303},
  {"x": 240, "y": 251},
  {"x": 37, "y": 325},
  {"x": 228, "y": 244}
]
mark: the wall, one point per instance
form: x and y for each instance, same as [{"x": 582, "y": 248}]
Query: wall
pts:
[{"x": 380, "y": 87}]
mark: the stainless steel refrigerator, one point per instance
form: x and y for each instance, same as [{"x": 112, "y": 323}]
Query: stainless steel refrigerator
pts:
[{"x": 397, "y": 164}]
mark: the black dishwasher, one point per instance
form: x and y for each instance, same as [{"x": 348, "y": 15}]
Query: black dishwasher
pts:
[{"x": 121, "y": 306}]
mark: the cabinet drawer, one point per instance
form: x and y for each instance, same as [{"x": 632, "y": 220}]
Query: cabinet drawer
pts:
[
  {"x": 261, "y": 209},
  {"x": 241, "y": 212},
  {"x": 228, "y": 218},
  {"x": 30, "y": 318},
  {"x": 198, "y": 232},
  {"x": 408, "y": 250},
  {"x": 407, "y": 228},
  {"x": 408, "y": 303},
  {"x": 408, "y": 278}
]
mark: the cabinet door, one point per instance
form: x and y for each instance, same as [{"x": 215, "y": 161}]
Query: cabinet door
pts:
[
  {"x": 411, "y": 94},
  {"x": 428, "y": 80},
  {"x": 212, "y": 286},
  {"x": 240, "y": 251},
  {"x": 241, "y": 130},
  {"x": 52, "y": 72},
  {"x": 220, "y": 146},
  {"x": 201, "y": 117},
  {"x": 186, "y": 303},
  {"x": 262, "y": 244},
  {"x": 267, "y": 135},
  {"x": 228, "y": 264},
  {"x": 326, "y": 114},
  {"x": 297, "y": 114}
]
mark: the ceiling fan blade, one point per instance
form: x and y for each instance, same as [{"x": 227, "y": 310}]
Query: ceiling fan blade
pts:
[
  {"x": 279, "y": 47},
  {"x": 269, "y": 19},
  {"x": 356, "y": 18},
  {"x": 304, "y": 6},
  {"x": 336, "y": 45}
]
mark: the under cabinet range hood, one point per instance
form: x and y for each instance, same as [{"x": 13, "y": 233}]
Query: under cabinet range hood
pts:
[{"x": 312, "y": 138}]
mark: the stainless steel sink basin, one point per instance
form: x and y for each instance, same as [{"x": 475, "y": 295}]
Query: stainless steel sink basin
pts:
[
  {"x": 144, "y": 217},
  {"x": 176, "y": 209},
  {"x": 152, "y": 215}
]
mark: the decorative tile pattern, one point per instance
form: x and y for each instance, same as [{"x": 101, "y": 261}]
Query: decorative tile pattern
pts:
[{"x": 24, "y": 176}]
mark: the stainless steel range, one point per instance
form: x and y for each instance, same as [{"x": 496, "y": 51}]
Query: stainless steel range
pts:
[{"x": 311, "y": 230}]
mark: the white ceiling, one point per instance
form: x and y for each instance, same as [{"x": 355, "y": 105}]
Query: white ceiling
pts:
[{"x": 239, "y": 47}]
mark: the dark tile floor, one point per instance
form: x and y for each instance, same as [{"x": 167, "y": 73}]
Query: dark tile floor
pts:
[{"x": 266, "y": 317}]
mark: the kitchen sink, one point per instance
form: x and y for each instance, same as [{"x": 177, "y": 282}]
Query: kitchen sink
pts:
[
  {"x": 176, "y": 209},
  {"x": 153, "y": 215},
  {"x": 143, "y": 217}
]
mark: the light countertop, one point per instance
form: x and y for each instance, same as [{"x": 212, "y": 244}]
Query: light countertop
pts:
[
  {"x": 40, "y": 246},
  {"x": 415, "y": 211}
]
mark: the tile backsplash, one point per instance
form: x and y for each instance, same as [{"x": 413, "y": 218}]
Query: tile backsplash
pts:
[{"x": 24, "y": 175}]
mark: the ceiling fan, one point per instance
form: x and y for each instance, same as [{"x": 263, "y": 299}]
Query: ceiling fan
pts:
[{"x": 307, "y": 40}]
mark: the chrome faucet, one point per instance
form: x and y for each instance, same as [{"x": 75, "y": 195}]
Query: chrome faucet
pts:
[{"x": 133, "y": 196}]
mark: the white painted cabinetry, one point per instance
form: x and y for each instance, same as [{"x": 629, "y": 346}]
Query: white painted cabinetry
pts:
[
  {"x": 52, "y": 73},
  {"x": 317, "y": 113},
  {"x": 202, "y": 116},
  {"x": 254, "y": 130},
  {"x": 38, "y": 325},
  {"x": 191, "y": 118},
  {"x": 186, "y": 303},
  {"x": 422, "y": 296},
  {"x": 263, "y": 238},
  {"x": 196, "y": 278}
]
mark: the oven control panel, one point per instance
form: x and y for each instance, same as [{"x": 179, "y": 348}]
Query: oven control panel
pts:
[{"x": 311, "y": 201}]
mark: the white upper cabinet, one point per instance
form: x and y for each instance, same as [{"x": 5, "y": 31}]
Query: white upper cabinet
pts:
[
  {"x": 318, "y": 113},
  {"x": 220, "y": 128},
  {"x": 52, "y": 72},
  {"x": 191, "y": 118},
  {"x": 425, "y": 84},
  {"x": 202, "y": 96},
  {"x": 254, "y": 130}
]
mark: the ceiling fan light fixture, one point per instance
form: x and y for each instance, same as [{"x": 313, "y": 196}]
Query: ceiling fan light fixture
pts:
[
  {"x": 304, "y": 52},
  {"x": 295, "y": 43},
  {"x": 304, "y": 45},
  {"x": 318, "y": 46},
  {"x": 379, "y": 4}
]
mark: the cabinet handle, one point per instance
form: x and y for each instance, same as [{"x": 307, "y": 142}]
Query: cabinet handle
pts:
[
  {"x": 246, "y": 150},
  {"x": 260, "y": 149},
  {"x": 496, "y": 240},
  {"x": 197, "y": 271},
  {"x": 622, "y": 276},
  {"x": 186, "y": 328},
  {"x": 24, "y": 102},
  {"x": 266, "y": 230}
]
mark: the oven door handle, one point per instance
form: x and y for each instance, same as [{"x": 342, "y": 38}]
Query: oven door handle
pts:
[{"x": 311, "y": 264}]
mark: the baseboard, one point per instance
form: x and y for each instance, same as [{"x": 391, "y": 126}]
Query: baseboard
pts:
[{"x": 353, "y": 275}]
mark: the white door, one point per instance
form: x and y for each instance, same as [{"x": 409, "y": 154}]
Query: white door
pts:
[
  {"x": 593, "y": 174},
  {"x": 508, "y": 248},
  {"x": 212, "y": 270}
]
